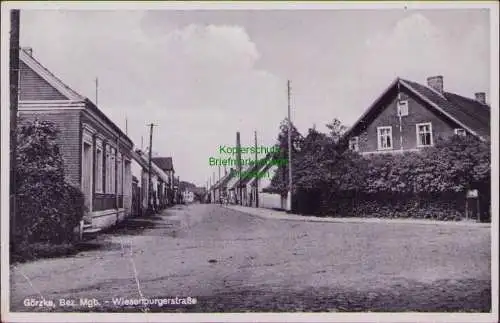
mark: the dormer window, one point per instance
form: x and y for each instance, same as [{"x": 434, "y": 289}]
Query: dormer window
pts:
[
  {"x": 460, "y": 132},
  {"x": 402, "y": 108}
]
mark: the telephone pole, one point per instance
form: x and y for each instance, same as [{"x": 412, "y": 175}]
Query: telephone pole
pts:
[
  {"x": 257, "y": 167},
  {"x": 238, "y": 158},
  {"x": 96, "y": 91},
  {"x": 14, "y": 90},
  {"x": 150, "y": 184},
  {"x": 289, "y": 197}
]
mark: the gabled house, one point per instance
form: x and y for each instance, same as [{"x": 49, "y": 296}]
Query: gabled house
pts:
[
  {"x": 159, "y": 180},
  {"x": 166, "y": 164},
  {"x": 95, "y": 150},
  {"x": 409, "y": 116},
  {"x": 220, "y": 188}
]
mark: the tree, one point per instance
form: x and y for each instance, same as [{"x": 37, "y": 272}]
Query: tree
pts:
[
  {"x": 279, "y": 183},
  {"x": 337, "y": 129},
  {"x": 48, "y": 208}
]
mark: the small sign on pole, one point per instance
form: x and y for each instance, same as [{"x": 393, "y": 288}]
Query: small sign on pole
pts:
[{"x": 472, "y": 194}]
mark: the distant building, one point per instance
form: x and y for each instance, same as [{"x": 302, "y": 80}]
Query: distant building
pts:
[{"x": 166, "y": 164}]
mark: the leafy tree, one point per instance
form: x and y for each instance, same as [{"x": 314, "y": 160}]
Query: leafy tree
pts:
[
  {"x": 337, "y": 130},
  {"x": 48, "y": 209},
  {"x": 279, "y": 182}
]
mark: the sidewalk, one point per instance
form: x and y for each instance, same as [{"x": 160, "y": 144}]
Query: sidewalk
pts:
[{"x": 282, "y": 215}]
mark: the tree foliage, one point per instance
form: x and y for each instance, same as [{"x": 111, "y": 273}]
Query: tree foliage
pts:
[
  {"x": 326, "y": 175},
  {"x": 47, "y": 207}
]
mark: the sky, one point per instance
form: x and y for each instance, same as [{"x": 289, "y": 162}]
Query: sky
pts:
[{"x": 201, "y": 76}]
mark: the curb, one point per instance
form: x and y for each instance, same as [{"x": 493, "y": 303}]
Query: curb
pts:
[{"x": 287, "y": 217}]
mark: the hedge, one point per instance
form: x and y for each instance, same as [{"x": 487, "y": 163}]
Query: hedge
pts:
[
  {"x": 48, "y": 208},
  {"x": 431, "y": 183}
]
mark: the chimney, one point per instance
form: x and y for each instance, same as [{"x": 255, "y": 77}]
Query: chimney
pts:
[
  {"x": 436, "y": 82},
  {"x": 481, "y": 97},
  {"x": 28, "y": 50}
]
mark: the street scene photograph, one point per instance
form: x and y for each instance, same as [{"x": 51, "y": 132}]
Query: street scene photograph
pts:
[{"x": 190, "y": 160}]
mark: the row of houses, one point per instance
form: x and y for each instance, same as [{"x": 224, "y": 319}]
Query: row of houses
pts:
[
  {"x": 247, "y": 187},
  {"x": 98, "y": 156},
  {"x": 406, "y": 116}
]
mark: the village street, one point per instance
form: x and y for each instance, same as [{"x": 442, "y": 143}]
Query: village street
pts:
[{"x": 232, "y": 261}]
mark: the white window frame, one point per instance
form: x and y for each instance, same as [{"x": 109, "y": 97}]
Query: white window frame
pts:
[
  {"x": 419, "y": 144},
  {"x": 399, "y": 107},
  {"x": 354, "y": 140},
  {"x": 460, "y": 132},
  {"x": 379, "y": 133}
]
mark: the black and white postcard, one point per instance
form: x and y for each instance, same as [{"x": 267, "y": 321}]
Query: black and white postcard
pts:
[{"x": 249, "y": 161}]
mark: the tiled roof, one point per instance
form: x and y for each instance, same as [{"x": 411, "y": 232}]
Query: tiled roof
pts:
[
  {"x": 469, "y": 112},
  {"x": 164, "y": 163}
]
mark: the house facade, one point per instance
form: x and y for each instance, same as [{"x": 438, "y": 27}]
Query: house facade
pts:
[
  {"x": 167, "y": 166},
  {"x": 409, "y": 116},
  {"x": 159, "y": 181},
  {"x": 95, "y": 151}
]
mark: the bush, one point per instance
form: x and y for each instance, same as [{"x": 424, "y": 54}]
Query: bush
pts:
[{"x": 48, "y": 208}]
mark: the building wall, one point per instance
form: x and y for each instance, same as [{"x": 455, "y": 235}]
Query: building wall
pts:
[
  {"x": 68, "y": 123},
  {"x": 417, "y": 113},
  {"x": 33, "y": 87}
]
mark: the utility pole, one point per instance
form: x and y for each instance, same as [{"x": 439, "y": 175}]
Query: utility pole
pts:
[
  {"x": 257, "y": 167},
  {"x": 150, "y": 184},
  {"x": 238, "y": 159},
  {"x": 289, "y": 197},
  {"x": 96, "y": 91},
  {"x": 14, "y": 90},
  {"x": 126, "y": 126}
]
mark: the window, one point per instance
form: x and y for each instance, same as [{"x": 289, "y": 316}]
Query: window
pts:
[
  {"x": 384, "y": 138},
  {"x": 424, "y": 134},
  {"x": 354, "y": 143},
  {"x": 119, "y": 175},
  {"x": 460, "y": 132},
  {"x": 402, "y": 107},
  {"x": 109, "y": 170},
  {"x": 112, "y": 171},
  {"x": 98, "y": 175}
]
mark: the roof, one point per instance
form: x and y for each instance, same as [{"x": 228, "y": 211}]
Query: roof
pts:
[
  {"x": 470, "y": 114},
  {"x": 164, "y": 163},
  {"x": 143, "y": 160},
  {"x": 224, "y": 180}
]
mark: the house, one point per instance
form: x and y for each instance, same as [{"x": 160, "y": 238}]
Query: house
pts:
[
  {"x": 231, "y": 191},
  {"x": 139, "y": 172},
  {"x": 159, "y": 180},
  {"x": 220, "y": 190},
  {"x": 96, "y": 152},
  {"x": 262, "y": 181},
  {"x": 188, "y": 196},
  {"x": 409, "y": 116},
  {"x": 166, "y": 164}
]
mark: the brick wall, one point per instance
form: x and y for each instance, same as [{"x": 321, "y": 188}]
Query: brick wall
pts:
[
  {"x": 417, "y": 113},
  {"x": 68, "y": 122},
  {"x": 34, "y": 87}
]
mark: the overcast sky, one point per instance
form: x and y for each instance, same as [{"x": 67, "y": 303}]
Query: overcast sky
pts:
[{"x": 203, "y": 75}]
